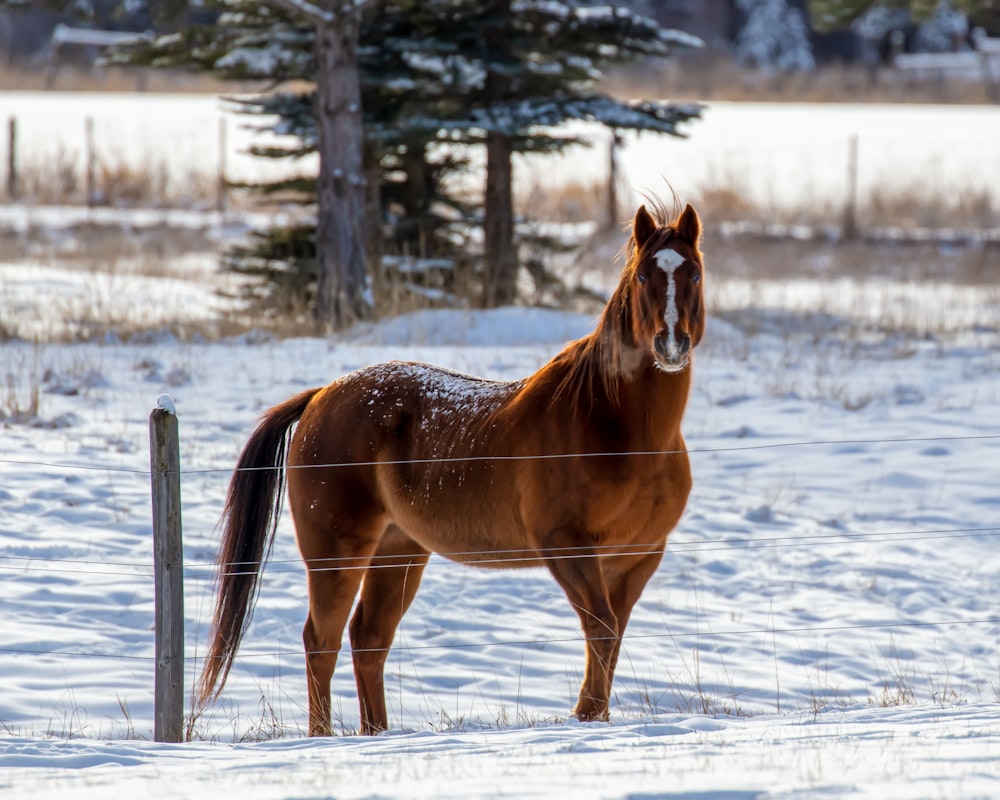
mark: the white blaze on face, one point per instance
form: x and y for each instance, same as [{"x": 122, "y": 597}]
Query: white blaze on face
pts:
[{"x": 669, "y": 260}]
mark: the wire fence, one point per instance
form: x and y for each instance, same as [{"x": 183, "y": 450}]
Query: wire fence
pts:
[
  {"x": 712, "y": 634},
  {"x": 520, "y": 557},
  {"x": 534, "y": 457},
  {"x": 203, "y": 574},
  {"x": 516, "y": 558}
]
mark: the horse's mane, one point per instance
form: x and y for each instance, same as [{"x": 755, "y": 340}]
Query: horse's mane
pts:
[{"x": 594, "y": 364}]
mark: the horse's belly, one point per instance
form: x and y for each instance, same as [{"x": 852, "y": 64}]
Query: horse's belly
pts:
[
  {"x": 470, "y": 539},
  {"x": 465, "y": 522}
]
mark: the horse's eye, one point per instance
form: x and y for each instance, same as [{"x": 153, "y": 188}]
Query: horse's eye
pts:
[
  {"x": 641, "y": 278},
  {"x": 696, "y": 278}
]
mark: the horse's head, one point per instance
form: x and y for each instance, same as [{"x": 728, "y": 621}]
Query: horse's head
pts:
[{"x": 666, "y": 270}]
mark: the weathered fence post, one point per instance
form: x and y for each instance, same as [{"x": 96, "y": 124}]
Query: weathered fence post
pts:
[
  {"x": 221, "y": 186},
  {"x": 168, "y": 567},
  {"x": 612, "y": 198},
  {"x": 851, "y": 207},
  {"x": 12, "y": 189},
  {"x": 90, "y": 168}
]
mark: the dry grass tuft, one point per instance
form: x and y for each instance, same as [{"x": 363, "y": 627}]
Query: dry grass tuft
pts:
[
  {"x": 19, "y": 77},
  {"x": 711, "y": 76}
]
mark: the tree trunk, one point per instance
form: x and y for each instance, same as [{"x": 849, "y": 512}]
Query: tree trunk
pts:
[
  {"x": 340, "y": 224},
  {"x": 417, "y": 202},
  {"x": 501, "y": 258},
  {"x": 373, "y": 220}
]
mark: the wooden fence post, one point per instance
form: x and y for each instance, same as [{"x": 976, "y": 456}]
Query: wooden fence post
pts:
[
  {"x": 168, "y": 567},
  {"x": 851, "y": 207},
  {"x": 90, "y": 168},
  {"x": 612, "y": 198},
  {"x": 12, "y": 188},
  {"x": 221, "y": 200}
]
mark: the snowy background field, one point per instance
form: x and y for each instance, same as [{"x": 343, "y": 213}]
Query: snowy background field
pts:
[
  {"x": 776, "y": 155},
  {"x": 826, "y": 621}
]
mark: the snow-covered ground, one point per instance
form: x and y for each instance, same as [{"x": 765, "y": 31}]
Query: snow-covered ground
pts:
[{"x": 826, "y": 621}]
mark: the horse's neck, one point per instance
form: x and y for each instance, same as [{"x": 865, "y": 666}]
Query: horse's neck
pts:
[
  {"x": 627, "y": 394},
  {"x": 653, "y": 402}
]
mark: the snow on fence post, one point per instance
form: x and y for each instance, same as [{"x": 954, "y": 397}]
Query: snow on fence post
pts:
[
  {"x": 168, "y": 568},
  {"x": 12, "y": 158}
]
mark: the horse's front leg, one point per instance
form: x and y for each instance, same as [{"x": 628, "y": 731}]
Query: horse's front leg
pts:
[
  {"x": 577, "y": 569},
  {"x": 626, "y": 577}
]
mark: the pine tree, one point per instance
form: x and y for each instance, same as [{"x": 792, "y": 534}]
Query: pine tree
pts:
[
  {"x": 774, "y": 36},
  {"x": 514, "y": 65},
  {"x": 831, "y": 14},
  {"x": 485, "y": 73}
]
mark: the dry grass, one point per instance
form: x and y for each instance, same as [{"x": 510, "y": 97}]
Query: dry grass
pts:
[
  {"x": 753, "y": 258},
  {"x": 576, "y": 201},
  {"x": 778, "y": 259},
  {"x": 93, "y": 247},
  {"x": 69, "y": 78},
  {"x": 694, "y": 76},
  {"x": 911, "y": 205},
  {"x": 710, "y": 76},
  {"x": 725, "y": 198},
  {"x": 62, "y": 179}
]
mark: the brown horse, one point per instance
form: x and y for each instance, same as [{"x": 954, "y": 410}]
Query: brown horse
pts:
[{"x": 580, "y": 467}]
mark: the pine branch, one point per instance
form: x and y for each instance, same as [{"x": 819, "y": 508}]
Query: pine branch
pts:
[
  {"x": 305, "y": 10},
  {"x": 315, "y": 14}
]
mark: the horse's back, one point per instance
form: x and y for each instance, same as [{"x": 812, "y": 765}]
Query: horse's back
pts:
[{"x": 409, "y": 444}]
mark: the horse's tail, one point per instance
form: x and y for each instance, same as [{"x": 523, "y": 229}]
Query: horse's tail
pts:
[{"x": 249, "y": 521}]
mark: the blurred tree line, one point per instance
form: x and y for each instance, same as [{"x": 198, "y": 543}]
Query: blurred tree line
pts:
[{"x": 830, "y": 14}]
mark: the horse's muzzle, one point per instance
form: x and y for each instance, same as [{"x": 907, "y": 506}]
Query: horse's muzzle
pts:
[{"x": 672, "y": 353}]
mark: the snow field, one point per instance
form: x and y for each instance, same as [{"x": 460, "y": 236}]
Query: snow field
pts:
[
  {"x": 835, "y": 601},
  {"x": 781, "y": 156},
  {"x": 826, "y": 619}
]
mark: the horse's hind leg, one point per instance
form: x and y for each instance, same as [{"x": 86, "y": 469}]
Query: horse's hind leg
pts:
[
  {"x": 390, "y": 585},
  {"x": 333, "y": 578}
]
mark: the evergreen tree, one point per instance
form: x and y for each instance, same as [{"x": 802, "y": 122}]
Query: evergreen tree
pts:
[
  {"x": 439, "y": 72},
  {"x": 341, "y": 240},
  {"x": 831, "y": 14},
  {"x": 774, "y": 35},
  {"x": 542, "y": 63},
  {"x": 945, "y": 30}
]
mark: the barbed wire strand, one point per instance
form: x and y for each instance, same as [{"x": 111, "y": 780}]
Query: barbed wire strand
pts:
[
  {"x": 534, "y": 642},
  {"x": 279, "y": 567},
  {"x": 503, "y": 458}
]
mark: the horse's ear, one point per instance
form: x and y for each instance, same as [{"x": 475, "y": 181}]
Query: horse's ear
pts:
[
  {"x": 643, "y": 226},
  {"x": 688, "y": 225}
]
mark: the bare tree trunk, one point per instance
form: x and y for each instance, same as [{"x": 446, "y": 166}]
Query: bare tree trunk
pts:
[
  {"x": 341, "y": 241},
  {"x": 501, "y": 257},
  {"x": 417, "y": 201},
  {"x": 373, "y": 221}
]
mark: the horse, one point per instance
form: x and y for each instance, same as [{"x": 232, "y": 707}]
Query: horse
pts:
[{"x": 580, "y": 467}]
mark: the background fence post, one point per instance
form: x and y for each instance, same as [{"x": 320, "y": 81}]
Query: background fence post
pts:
[
  {"x": 90, "y": 167},
  {"x": 168, "y": 567},
  {"x": 851, "y": 207},
  {"x": 221, "y": 200},
  {"x": 12, "y": 189},
  {"x": 612, "y": 196}
]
